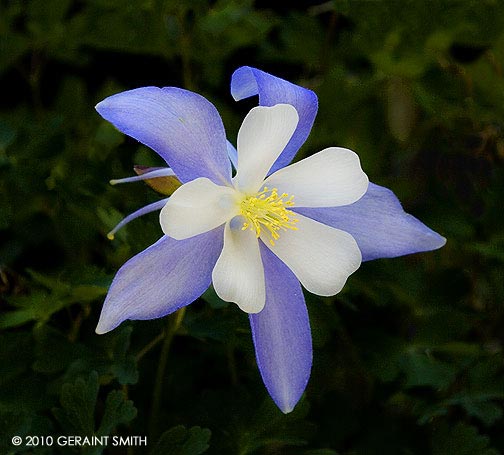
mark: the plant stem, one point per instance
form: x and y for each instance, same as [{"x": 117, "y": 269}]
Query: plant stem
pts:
[
  {"x": 173, "y": 325},
  {"x": 152, "y": 344}
]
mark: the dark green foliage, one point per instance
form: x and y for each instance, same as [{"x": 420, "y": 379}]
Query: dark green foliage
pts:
[
  {"x": 78, "y": 401},
  {"x": 181, "y": 441},
  {"x": 461, "y": 439},
  {"x": 408, "y": 358}
]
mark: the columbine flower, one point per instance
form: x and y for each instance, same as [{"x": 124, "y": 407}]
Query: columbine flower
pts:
[{"x": 261, "y": 233}]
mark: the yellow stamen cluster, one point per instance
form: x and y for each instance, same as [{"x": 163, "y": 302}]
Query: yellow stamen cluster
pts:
[{"x": 268, "y": 212}]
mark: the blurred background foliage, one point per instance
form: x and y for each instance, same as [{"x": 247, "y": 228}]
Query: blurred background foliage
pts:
[{"x": 408, "y": 358}]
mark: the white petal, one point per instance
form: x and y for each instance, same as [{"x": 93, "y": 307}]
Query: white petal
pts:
[
  {"x": 196, "y": 207},
  {"x": 329, "y": 178},
  {"x": 262, "y": 137},
  {"x": 321, "y": 257},
  {"x": 238, "y": 275}
]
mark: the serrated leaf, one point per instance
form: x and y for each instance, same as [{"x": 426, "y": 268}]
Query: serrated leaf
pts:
[
  {"x": 122, "y": 364},
  {"x": 62, "y": 292},
  {"x": 182, "y": 441},
  {"x": 480, "y": 406},
  {"x": 78, "y": 401},
  {"x": 423, "y": 370},
  {"x": 39, "y": 306},
  {"x": 118, "y": 410},
  {"x": 86, "y": 284},
  {"x": 461, "y": 439}
]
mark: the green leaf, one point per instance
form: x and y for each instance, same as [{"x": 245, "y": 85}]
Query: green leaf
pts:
[
  {"x": 78, "y": 401},
  {"x": 86, "y": 285},
  {"x": 461, "y": 439},
  {"x": 182, "y": 441},
  {"x": 480, "y": 406},
  {"x": 83, "y": 285},
  {"x": 124, "y": 365},
  {"x": 7, "y": 136},
  {"x": 107, "y": 137},
  {"x": 38, "y": 306},
  {"x": 269, "y": 426},
  {"x": 211, "y": 297},
  {"x": 12, "y": 47},
  {"x": 118, "y": 410},
  {"x": 422, "y": 369}
]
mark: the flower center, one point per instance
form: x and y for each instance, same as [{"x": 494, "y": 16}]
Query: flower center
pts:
[{"x": 263, "y": 211}]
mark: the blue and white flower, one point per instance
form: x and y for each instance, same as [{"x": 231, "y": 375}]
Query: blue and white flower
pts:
[{"x": 261, "y": 233}]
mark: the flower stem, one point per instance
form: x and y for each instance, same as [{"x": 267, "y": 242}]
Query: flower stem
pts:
[
  {"x": 174, "y": 323},
  {"x": 152, "y": 344}
]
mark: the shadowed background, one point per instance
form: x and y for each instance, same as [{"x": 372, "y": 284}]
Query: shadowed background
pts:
[{"x": 408, "y": 358}]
